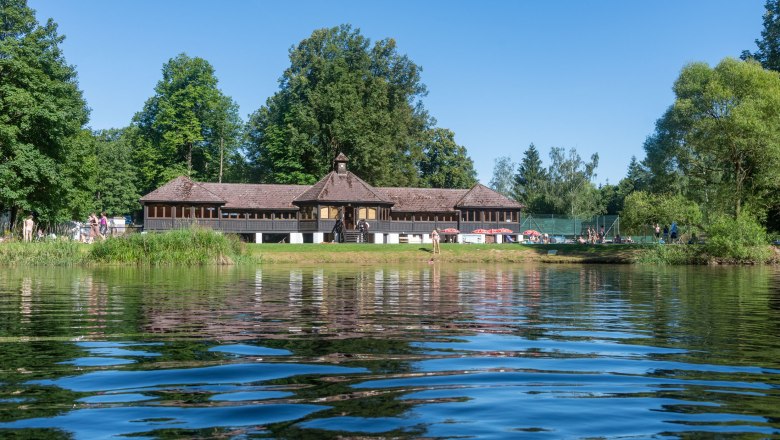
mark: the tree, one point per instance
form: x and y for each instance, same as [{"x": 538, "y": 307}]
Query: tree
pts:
[
  {"x": 342, "y": 94},
  {"x": 768, "y": 53},
  {"x": 115, "y": 188},
  {"x": 642, "y": 210},
  {"x": 570, "y": 190},
  {"x": 42, "y": 115},
  {"x": 503, "y": 176},
  {"x": 444, "y": 163},
  {"x": 187, "y": 127},
  {"x": 530, "y": 182},
  {"x": 719, "y": 144}
]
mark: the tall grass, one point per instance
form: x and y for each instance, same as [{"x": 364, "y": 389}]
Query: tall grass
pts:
[
  {"x": 48, "y": 253},
  {"x": 189, "y": 247}
]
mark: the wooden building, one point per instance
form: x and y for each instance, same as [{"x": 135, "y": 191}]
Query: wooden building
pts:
[{"x": 309, "y": 213}]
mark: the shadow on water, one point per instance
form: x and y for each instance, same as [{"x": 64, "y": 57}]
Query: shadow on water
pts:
[{"x": 433, "y": 351}]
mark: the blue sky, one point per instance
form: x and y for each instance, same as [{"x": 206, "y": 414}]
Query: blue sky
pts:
[{"x": 591, "y": 75}]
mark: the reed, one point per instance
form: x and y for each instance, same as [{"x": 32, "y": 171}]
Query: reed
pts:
[
  {"x": 48, "y": 253},
  {"x": 186, "y": 247}
]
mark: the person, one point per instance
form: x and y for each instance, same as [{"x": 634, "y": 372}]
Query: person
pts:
[
  {"x": 666, "y": 233},
  {"x": 581, "y": 240},
  {"x": 338, "y": 228},
  {"x": 363, "y": 229},
  {"x": 673, "y": 232},
  {"x": 39, "y": 236},
  {"x": 103, "y": 225},
  {"x": 657, "y": 232},
  {"x": 27, "y": 228},
  {"x": 601, "y": 234},
  {"x": 93, "y": 227},
  {"x": 435, "y": 241}
]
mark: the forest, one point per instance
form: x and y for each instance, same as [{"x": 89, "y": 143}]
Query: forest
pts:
[{"x": 711, "y": 164}]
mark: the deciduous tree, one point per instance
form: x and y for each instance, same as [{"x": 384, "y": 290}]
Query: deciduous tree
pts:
[
  {"x": 444, "y": 163},
  {"x": 342, "y": 94},
  {"x": 719, "y": 144},
  {"x": 42, "y": 115},
  {"x": 503, "y": 176},
  {"x": 186, "y": 126}
]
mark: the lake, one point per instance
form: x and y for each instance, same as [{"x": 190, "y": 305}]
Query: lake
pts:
[{"x": 433, "y": 351}]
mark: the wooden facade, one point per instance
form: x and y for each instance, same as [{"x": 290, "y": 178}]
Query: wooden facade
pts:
[{"x": 287, "y": 209}]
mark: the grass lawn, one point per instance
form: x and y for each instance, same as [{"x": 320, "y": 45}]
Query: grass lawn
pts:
[{"x": 466, "y": 253}]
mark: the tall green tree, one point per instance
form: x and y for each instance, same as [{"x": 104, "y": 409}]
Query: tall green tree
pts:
[
  {"x": 342, "y": 94},
  {"x": 768, "y": 53},
  {"x": 530, "y": 182},
  {"x": 503, "y": 176},
  {"x": 570, "y": 190},
  {"x": 187, "y": 126},
  {"x": 115, "y": 190},
  {"x": 444, "y": 163},
  {"x": 42, "y": 115},
  {"x": 719, "y": 144}
]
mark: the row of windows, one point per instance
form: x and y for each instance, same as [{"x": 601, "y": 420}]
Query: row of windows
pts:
[
  {"x": 330, "y": 212},
  {"x": 473, "y": 215},
  {"x": 423, "y": 217},
  {"x": 210, "y": 212}
]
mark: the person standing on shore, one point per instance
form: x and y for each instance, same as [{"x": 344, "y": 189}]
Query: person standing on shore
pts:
[
  {"x": 93, "y": 227},
  {"x": 27, "y": 228},
  {"x": 435, "y": 240},
  {"x": 103, "y": 225}
]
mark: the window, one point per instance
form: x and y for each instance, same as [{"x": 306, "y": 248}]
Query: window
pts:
[{"x": 367, "y": 213}]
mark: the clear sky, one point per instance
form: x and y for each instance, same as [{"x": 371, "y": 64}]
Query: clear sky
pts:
[{"x": 592, "y": 75}]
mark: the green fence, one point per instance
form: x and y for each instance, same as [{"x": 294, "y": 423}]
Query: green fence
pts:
[{"x": 557, "y": 225}]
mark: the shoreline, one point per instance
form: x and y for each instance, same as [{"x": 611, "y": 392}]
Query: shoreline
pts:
[{"x": 193, "y": 252}]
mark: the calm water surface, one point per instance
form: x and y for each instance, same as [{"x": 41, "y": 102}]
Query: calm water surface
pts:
[{"x": 390, "y": 351}]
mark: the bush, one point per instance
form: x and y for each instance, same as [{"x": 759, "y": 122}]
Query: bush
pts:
[{"x": 741, "y": 240}]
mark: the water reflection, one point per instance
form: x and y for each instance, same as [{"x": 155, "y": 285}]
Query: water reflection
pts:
[{"x": 408, "y": 351}]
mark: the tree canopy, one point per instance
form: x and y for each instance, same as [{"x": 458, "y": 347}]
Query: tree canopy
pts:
[
  {"x": 187, "y": 126},
  {"x": 719, "y": 143},
  {"x": 43, "y": 152},
  {"x": 444, "y": 163},
  {"x": 342, "y": 93}
]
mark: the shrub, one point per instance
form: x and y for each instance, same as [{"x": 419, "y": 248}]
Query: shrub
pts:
[{"x": 740, "y": 239}]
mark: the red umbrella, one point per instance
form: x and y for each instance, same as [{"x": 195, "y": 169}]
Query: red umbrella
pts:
[
  {"x": 480, "y": 231},
  {"x": 502, "y": 231},
  {"x": 450, "y": 231},
  {"x": 532, "y": 233}
]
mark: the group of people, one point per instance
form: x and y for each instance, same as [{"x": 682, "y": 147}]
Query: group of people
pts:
[
  {"x": 594, "y": 236},
  {"x": 98, "y": 227},
  {"x": 670, "y": 233},
  {"x": 338, "y": 230}
]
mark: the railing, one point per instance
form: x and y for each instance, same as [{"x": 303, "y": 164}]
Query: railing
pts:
[
  {"x": 225, "y": 225},
  {"x": 283, "y": 226}
]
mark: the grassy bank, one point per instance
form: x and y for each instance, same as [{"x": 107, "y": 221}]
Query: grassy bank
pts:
[
  {"x": 192, "y": 247},
  {"x": 196, "y": 247},
  {"x": 55, "y": 253}
]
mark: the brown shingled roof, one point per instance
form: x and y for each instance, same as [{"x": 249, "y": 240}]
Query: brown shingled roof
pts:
[
  {"x": 342, "y": 188},
  {"x": 257, "y": 196},
  {"x": 480, "y": 196},
  {"x": 423, "y": 199},
  {"x": 182, "y": 189}
]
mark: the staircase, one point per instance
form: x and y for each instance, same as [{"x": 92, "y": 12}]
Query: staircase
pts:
[{"x": 351, "y": 237}]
